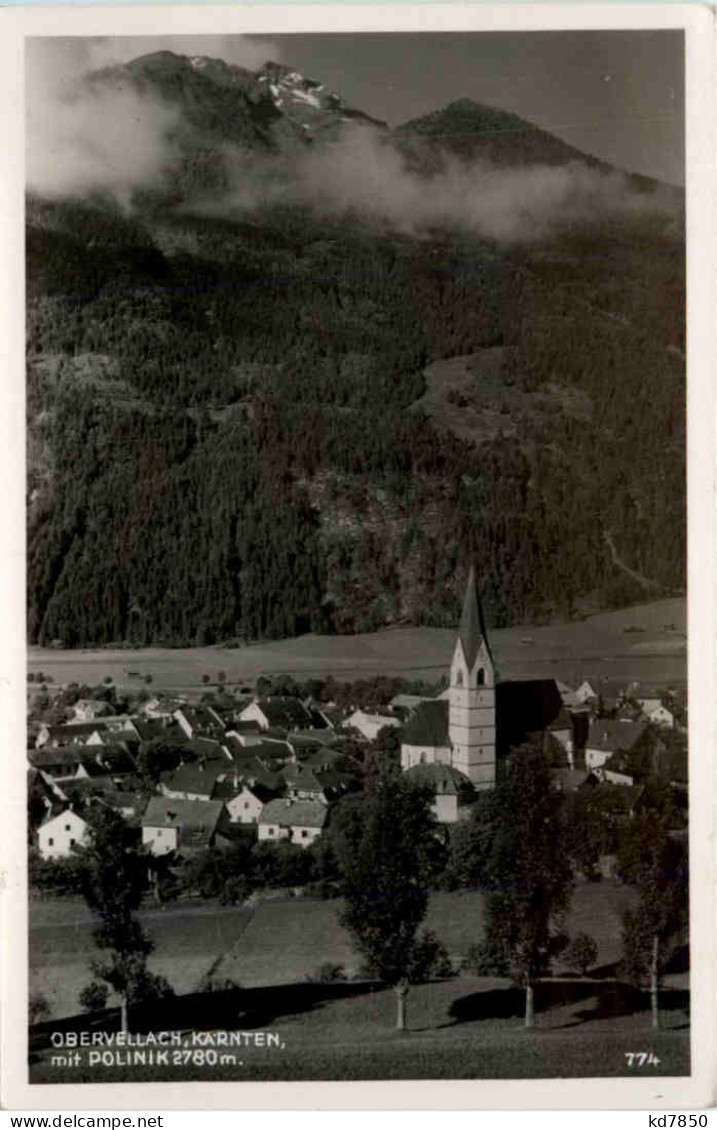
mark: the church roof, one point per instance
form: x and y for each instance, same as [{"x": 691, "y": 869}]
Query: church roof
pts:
[
  {"x": 428, "y": 725},
  {"x": 471, "y": 629},
  {"x": 444, "y": 780}
]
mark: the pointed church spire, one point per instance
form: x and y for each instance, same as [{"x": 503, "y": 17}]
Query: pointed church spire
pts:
[{"x": 472, "y": 629}]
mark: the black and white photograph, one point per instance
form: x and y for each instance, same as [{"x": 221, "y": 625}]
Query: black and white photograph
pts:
[{"x": 358, "y": 735}]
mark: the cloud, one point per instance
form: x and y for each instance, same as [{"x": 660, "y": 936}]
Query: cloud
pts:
[
  {"x": 81, "y": 138},
  {"x": 363, "y": 172},
  {"x": 116, "y": 140}
]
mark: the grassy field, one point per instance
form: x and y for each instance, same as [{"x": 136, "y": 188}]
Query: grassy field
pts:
[
  {"x": 278, "y": 942},
  {"x": 645, "y": 643},
  {"x": 466, "y": 1028},
  {"x": 189, "y": 938}
]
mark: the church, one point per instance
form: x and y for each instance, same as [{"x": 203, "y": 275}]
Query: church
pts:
[{"x": 458, "y": 742}]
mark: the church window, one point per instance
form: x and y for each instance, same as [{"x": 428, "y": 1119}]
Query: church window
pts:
[
  {"x": 459, "y": 678},
  {"x": 480, "y": 677}
]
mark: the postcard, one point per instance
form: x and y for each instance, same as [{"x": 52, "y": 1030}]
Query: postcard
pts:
[{"x": 358, "y": 664}]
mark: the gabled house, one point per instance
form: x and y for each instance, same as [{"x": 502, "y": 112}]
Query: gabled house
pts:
[
  {"x": 300, "y": 821},
  {"x": 244, "y": 733},
  {"x": 195, "y": 780},
  {"x": 59, "y": 833},
  {"x": 370, "y": 725},
  {"x": 653, "y": 710},
  {"x": 200, "y": 722},
  {"x": 71, "y": 733},
  {"x": 185, "y": 826},
  {"x": 66, "y": 763},
  {"x": 90, "y": 709},
  {"x": 305, "y": 783},
  {"x": 586, "y": 693},
  {"x": 160, "y": 707},
  {"x": 607, "y": 737},
  {"x": 278, "y": 712},
  {"x": 243, "y": 802}
]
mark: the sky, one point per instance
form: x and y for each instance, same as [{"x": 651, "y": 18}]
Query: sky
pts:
[
  {"x": 615, "y": 94},
  {"x": 618, "y": 95}
]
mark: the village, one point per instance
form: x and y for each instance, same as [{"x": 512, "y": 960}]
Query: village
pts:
[{"x": 192, "y": 777}]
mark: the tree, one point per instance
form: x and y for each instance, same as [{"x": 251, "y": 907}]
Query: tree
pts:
[
  {"x": 527, "y": 869},
  {"x": 93, "y": 997},
  {"x": 385, "y": 863},
  {"x": 113, "y": 880},
  {"x": 654, "y": 861},
  {"x": 154, "y": 758},
  {"x": 38, "y": 1008},
  {"x": 581, "y": 953}
]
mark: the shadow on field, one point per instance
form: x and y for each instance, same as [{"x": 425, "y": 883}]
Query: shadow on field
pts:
[
  {"x": 231, "y": 1009},
  {"x": 617, "y": 999},
  {"x": 503, "y": 1004}
]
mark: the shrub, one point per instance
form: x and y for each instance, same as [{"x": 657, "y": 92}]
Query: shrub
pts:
[
  {"x": 486, "y": 959},
  {"x": 94, "y": 996},
  {"x": 38, "y": 1008},
  {"x": 108, "y": 678},
  {"x": 205, "y": 678},
  {"x": 581, "y": 953},
  {"x": 211, "y": 983},
  {"x": 429, "y": 959},
  {"x": 327, "y": 974},
  {"x": 148, "y": 679}
]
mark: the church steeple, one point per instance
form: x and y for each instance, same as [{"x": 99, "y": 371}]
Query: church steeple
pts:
[
  {"x": 471, "y": 716},
  {"x": 471, "y": 630}
]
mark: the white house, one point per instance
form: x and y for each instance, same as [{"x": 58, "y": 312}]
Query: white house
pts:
[
  {"x": 88, "y": 709},
  {"x": 58, "y": 835},
  {"x": 654, "y": 711},
  {"x": 180, "y": 825},
  {"x": 370, "y": 724},
  {"x": 300, "y": 821},
  {"x": 608, "y": 737},
  {"x": 245, "y": 806},
  {"x": 585, "y": 692},
  {"x": 278, "y": 712}
]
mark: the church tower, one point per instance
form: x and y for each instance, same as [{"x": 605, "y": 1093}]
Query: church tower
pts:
[{"x": 471, "y": 698}]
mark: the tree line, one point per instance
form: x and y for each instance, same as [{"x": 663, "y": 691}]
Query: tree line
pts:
[{"x": 267, "y": 472}]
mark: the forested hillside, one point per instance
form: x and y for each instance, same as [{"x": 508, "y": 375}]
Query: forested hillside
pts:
[{"x": 225, "y": 439}]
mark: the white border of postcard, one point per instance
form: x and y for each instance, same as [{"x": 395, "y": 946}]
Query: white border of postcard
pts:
[{"x": 696, "y": 1091}]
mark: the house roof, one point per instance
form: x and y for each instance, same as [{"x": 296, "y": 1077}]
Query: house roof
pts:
[
  {"x": 294, "y": 813},
  {"x": 69, "y": 756},
  {"x": 428, "y": 725},
  {"x": 444, "y": 780},
  {"x": 284, "y": 711},
  {"x": 197, "y": 777},
  {"x": 606, "y": 734},
  {"x": 408, "y": 701},
  {"x": 98, "y": 706},
  {"x": 116, "y": 759},
  {"x": 63, "y": 811},
  {"x": 70, "y": 731},
  {"x": 189, "y": 815},
  {"x": 117, "y": 799},
  {"x": 201, "y": 719}
]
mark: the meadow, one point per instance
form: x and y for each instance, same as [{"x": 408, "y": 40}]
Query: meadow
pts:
[
  {"x": 276, "y": 942},
  {"x": 646, "y": 643},
  {"x": 465, "y": 1027}
]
